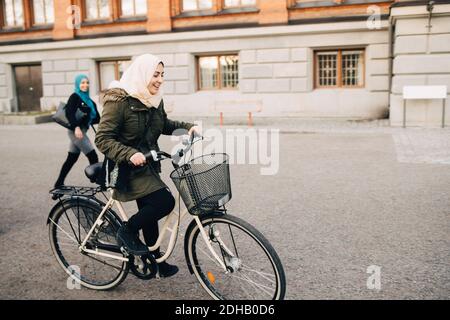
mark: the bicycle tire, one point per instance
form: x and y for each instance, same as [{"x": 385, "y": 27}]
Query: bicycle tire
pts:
[
  {"x": 82, "y": 203},
  {"x": 190, "y": 244}
]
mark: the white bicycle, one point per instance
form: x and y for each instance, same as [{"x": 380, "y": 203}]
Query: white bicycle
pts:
[{"x": 228, "y": 256}]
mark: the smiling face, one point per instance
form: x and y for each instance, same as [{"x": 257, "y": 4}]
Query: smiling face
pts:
[
  {"x": 84, "y": 85},
  {"x": 157, "y": 80}
]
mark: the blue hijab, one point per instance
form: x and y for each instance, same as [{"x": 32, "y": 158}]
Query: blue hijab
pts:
[{"x": 85, "y": 96}]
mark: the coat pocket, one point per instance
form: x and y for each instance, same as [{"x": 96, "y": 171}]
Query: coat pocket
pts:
[{"x": 136, "y": 171}]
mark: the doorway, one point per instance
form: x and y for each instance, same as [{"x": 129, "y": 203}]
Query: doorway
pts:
[{"x": 28, "y": 79}]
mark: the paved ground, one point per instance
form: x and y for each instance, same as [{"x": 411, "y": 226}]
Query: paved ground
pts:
[{"x": 348, "y": 195}]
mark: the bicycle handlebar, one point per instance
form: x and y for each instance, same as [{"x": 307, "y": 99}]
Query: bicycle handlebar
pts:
[
  {"x": 157, "y": 155},
  {"x": 161, "y": 155}
]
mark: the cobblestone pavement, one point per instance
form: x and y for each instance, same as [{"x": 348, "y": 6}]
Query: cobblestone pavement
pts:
[{"x": 348, "y": 195}]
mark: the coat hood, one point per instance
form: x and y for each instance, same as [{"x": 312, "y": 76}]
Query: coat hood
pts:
[
  {"x": 113, "y": 95},
  {"x": 118, "y": 95}
]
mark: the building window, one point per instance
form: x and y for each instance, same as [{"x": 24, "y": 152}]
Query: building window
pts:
[
  {"x": 129, "y": 8},
  {"x": 13, "y": 13},
  {"x": 318, "y": 3},
  {"x": 303, "y": 1},
  {"x": 43, "y": 12},
  {"x": 239, "y": 3},
  {"x": 312, "y": 1},
  {"x": 352, "y": 68},
  {"x": 218, "y": 72},
  {"x": 327, "y": 69},
  {"x": 97, "y": 9},
  {"x": 339, "y": 68},
  {"x": 111, "y": 70},
  {"x": 192, "y": 5}
]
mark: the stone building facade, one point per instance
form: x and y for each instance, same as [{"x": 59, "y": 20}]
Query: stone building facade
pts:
[{"x": 329, "y": 59}]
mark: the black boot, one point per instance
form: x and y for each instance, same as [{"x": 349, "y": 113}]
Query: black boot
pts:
[
  {"x": 68, "y": 164},
  {"x": 165, "y": 270},
  {"x": 92, "y": 157},
  {"x": 129, "y": 239}
]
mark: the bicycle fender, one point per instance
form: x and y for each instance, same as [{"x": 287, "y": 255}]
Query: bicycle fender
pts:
[{"x": 68, "y": 199}]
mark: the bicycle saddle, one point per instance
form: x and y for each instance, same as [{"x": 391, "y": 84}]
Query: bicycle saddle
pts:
[{"x": 93, "y": 171}]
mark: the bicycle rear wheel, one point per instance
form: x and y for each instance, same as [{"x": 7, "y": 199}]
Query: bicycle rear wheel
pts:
[
  {"x": 254, "y": 270},
  {"x": 69, "y": 224}
]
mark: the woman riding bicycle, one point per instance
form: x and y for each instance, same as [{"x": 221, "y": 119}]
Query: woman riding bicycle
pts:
[{"x": 133, "y": 119}]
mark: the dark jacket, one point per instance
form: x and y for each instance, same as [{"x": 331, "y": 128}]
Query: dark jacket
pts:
[
  {"x": 122, "y": 133},
  {"x": 75, "y": 103}
]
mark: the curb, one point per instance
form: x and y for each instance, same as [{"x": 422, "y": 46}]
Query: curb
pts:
[{"x": 16, "y": 119}]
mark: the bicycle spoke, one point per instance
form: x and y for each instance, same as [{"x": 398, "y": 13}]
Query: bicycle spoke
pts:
[
  {"x": 262, "y": 274},
  {"x": 260, "y": 286},
  {"x": 96, "y": 271},
  {"x": 70, "y": 223},
  {"x": 78, "y": 220},
  {"x": 66, "y": 244},
  {"x": 247, "y": 292},
  {"x": 256, "y": 290},
  {"x": 234, "y": 243},
  {"x": 256, "y": 280},
  {"x": 211, "y": 258},
  {"x": 68, "y": 235},
  {"x": 255, "y": 285}
]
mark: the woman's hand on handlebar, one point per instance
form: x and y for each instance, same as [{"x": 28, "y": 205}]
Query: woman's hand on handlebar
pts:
[
  {"x": 194, "y": 132},
  {"x": 138, "y": 159}
]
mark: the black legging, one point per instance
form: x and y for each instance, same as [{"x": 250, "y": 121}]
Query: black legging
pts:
[
  {"x": 69, "y": 163},
  {"x": 152, "y": 207}
]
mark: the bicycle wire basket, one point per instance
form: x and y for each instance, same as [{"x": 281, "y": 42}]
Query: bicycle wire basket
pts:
[{"x": 204, "y": 182}]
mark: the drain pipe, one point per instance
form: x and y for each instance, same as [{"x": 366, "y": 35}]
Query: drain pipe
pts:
[
  {"x": 430, "y": 7},
  {"x": 391, "y": 32}
]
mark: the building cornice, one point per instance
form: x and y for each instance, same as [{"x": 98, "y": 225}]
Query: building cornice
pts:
[{"x": 285, "y": 30}]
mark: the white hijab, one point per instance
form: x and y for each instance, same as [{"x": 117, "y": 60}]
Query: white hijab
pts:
[
  {"x": 136, "y": 79},
  {"x": 114, "y": 84}
]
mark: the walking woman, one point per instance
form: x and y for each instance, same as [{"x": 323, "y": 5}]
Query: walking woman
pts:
[
  {"x": 79, "y": 141},
  {"x": 132, "y": 121}
]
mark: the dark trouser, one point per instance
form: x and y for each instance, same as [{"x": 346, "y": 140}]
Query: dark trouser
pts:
[
  {"x": 70, "y": 161},
  {"x": 152, "y": 208}
]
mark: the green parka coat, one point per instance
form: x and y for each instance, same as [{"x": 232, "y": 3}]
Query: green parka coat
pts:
[{"x": 121, "y": 133}]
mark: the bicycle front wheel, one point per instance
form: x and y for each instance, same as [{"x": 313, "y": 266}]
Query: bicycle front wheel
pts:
[{"x": 253, "y": 268}]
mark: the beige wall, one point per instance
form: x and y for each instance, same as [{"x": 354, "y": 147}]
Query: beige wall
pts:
[
  {"x": 421, "y": 57},
  {"x": 276, "y": 67}
]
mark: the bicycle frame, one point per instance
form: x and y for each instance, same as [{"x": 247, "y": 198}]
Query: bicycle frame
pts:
[{"x": 174, "y": 229}]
